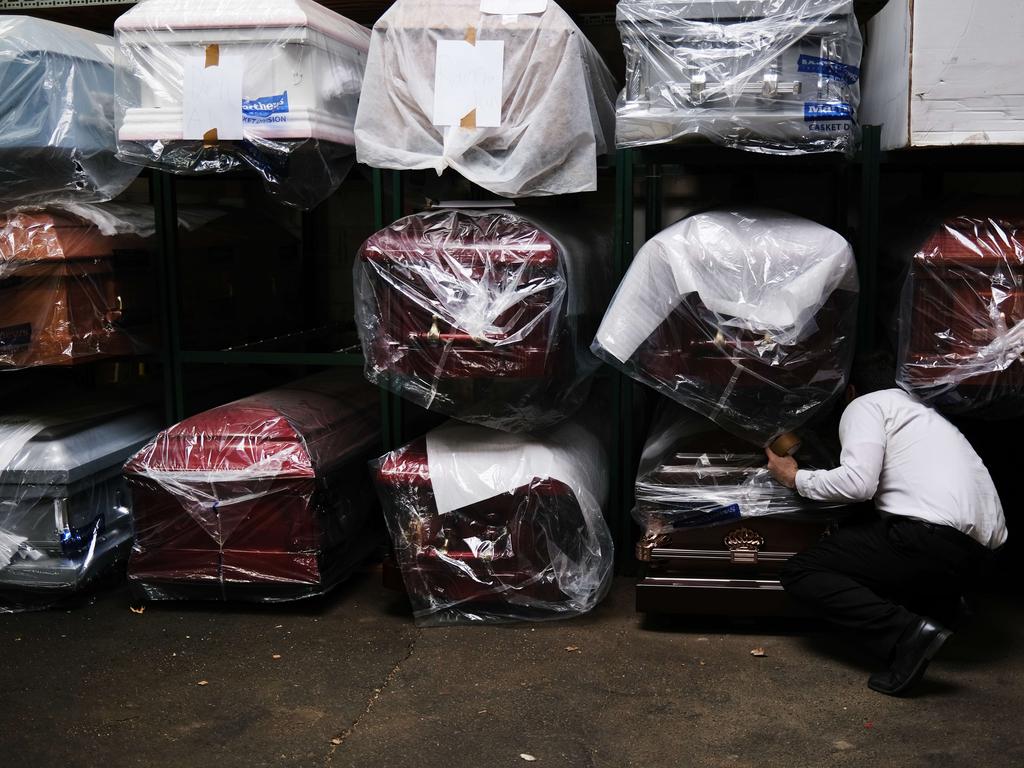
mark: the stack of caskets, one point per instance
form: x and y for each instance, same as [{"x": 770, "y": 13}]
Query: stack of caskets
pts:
[{"x": 745, "y": 317}]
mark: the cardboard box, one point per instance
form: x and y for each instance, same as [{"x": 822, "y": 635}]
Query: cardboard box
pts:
[{"x": 945, "y": 72}]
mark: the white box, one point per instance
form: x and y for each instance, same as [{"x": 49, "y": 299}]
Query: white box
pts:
[{"x": 945, "y": 72}]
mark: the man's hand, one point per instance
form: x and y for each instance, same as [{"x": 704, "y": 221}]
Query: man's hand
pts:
[{"x": 783, "y": 468}]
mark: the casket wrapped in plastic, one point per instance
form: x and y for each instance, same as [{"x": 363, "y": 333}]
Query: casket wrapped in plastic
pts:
[
  {"x": 745, "y": 316},
  {"x": 212, "y": 85},
  {"x": 717, "y": 530},
  {"x": 961, "y": 328},
  {"x": 486, "y": 316},
  {"x": 69, "y": 293},
  {"x": 265, "y": 499},
  {"x": 493, "y": 527},
  {"x": 65, "y": 514},
  {"x": 692, "y": 474},
  {"x": 519, "y": 103},
  {"x": 57, "y": 139},
  {"x": 780, "y": 76}
]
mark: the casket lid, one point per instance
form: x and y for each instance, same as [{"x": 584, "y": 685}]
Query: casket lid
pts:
[
  {"x": 66, "y": 445},
  {"x": 977, "y": 238},
  {"x": 468, "y": 237},
  {"x": 172, "y": 15},
  {"x": 729, "y": 10},
  {"x": 25, "y": 34},
  {"x": 294, "y": 430},
  {"x": 30, "y": 237}
]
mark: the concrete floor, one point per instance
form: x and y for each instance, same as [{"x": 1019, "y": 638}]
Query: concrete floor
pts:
[{"x": 358, "y": 685}]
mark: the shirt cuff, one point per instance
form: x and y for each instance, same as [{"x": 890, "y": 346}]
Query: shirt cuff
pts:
[{"x": 803, "y": 479}]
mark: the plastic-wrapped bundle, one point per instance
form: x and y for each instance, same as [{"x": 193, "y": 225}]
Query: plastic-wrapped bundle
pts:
[
  {"x": 68, "y": 293},
  {"x": 692, "y": 474},
  {"x": 57, "y": 139},
  {"x": 961, "y": 344},
  {"x": 778, "y": 76},
  {"x": 520, "y": 104},
  {"x": 216, "y": 84},
  {"x": 493, "y": 527},
  {"x": 744, "y": 316},
  {"x": 64, "y": 509},
  {"x": 482, "y": 315},
  {"x": 265, "y": 499}
]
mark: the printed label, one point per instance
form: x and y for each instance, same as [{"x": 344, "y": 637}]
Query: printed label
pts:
[
  {"x": 265, "y": 109},
  {"x": 15, "y": 336},
  {"x": 833, "y": 70},
  {"x": 827, "y": 110}
]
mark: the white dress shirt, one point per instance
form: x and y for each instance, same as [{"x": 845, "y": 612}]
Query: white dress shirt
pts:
[{"x": 914, "y": 463}]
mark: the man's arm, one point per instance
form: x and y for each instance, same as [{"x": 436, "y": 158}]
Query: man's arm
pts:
[{"x": 862, "y": 432}]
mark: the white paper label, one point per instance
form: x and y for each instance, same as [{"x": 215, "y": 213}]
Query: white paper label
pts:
[
  {"x": 509, "y": 18},
  {"x": 468, "y": 77},
  {"x": 213, "y": 96},
  {"x": 513, "y": 6}
]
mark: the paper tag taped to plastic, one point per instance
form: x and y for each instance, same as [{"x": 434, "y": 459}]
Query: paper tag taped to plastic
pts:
[
  {"x": 509, "y": 7},
  {"x": 212, "y": 98},
  {"x": 468, "y": 83}
]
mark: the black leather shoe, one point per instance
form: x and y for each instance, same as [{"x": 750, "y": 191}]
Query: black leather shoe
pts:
[{"x": 915, "y": 649}]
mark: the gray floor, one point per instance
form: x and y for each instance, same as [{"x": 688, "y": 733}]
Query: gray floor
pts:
[{"x": 357, "y": 684}]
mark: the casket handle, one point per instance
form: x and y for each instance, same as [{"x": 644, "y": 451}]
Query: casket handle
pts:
[
  {"x": 743, "y": 545},
  {"x": 114, "y": 314}
]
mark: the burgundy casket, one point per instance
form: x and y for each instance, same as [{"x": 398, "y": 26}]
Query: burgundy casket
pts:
[
  {"x": 962, "y": 316},
  {"x": 745, "y": 316},
  {"x": 266, "y": 498},
  {"x": 537, "y": 550},
  {"x": 717, "y": 529},
  {"x": 480, "y": 315}
]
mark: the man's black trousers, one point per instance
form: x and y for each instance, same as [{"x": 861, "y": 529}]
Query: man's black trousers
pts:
[{"x": 878, "y": 575}]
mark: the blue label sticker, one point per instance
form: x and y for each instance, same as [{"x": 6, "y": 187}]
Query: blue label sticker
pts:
[
  {"x": 264, "y": 108},
  {"x": 827, "y": 110},
  {"x": 833, "y": 70}
]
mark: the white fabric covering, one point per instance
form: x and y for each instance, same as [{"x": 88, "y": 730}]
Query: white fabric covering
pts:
[{"x": 557, "y": 100}]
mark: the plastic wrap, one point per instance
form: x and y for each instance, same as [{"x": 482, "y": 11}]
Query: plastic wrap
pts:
[
  {"x": 779, "y": 76},
  {"x": 692, "y": 474},
  {"x": 524, "y": 108},
  {"x": 69, "y": 294},
  {"x": 264, "y": 499},
  {"x": 65, "y": 515},
  {"x": 745, "y": 316},
  {"x": 213, "y": 85},
  {"x": 961, "y": 327},
  {"x": 483, "y": 315},
  {"x": 57, "y": 139},
  {"x": 493, "y": 527}
]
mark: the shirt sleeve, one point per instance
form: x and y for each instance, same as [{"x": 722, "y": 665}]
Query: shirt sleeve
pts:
[{"x": 862, "y": 433}]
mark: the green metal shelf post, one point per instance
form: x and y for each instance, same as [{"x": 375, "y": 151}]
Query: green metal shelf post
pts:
[{"x": 166, "y": 214}]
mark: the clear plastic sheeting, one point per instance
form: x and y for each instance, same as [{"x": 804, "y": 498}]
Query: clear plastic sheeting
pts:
[
  {"x": 264, "y": 499},
  {"x": 57, "y": 139},
  {"x": 65, "y": 516},
  {"x": 68, "y": 293},
  {"x": 961, "y": 327},
  {"x": 213, "y": 85},
  {"x": 694, "y": 474},
  {"x": 486, "y": 316},
  {"x": 778, "y": 76},
  {"x": 745, "y": 316},
  {"x": 492, "y": 527},
  {"x": 518, "y": 103}
]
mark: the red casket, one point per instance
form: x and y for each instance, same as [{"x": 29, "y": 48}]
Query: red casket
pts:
[
  {"x": 962, "y": 316},
  {"x": 479, "y": 315},
  {"x": 538, "y": 550},
  {"x": 65, "y": 290},
  {"x": 746, "y": 317},
  {"x": 717, "y": 529},
  {"x": 266, "y": 498}
]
